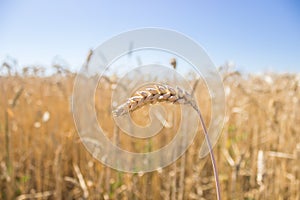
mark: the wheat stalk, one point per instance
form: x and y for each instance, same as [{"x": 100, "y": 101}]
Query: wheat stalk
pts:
[{"x": 168, "y": 94}]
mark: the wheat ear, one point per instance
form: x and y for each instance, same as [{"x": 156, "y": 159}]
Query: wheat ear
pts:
[
  {"x": 165, "y": 93},
  {"x": 152, "y": 95}
]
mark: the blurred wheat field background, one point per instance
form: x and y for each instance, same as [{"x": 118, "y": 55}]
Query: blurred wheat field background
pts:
[{"x": 258, "y": 153}]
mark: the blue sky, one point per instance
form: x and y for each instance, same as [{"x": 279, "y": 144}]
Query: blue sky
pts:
[{"x": 256, "y": 35}]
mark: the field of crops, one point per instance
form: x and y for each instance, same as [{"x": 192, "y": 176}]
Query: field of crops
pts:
[{"x": 42, "y": 157}]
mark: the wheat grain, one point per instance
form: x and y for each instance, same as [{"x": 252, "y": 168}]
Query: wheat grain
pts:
[{"x": 152, "y": 95}]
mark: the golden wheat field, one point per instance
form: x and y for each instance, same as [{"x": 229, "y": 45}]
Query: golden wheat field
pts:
[{"x": 258, "y": 153}]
